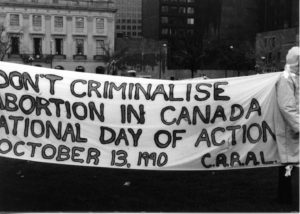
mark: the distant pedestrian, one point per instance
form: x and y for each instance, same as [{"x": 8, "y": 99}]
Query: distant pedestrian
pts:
[{"x": 288, "y": 138}]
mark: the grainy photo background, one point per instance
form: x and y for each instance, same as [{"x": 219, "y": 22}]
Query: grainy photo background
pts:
[{"x": 161, "y": 39}]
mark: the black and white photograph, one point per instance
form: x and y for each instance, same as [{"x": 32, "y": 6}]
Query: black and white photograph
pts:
[{"x": 149, "y": 106}]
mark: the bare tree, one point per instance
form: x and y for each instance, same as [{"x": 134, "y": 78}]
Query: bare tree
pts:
[
  {"x": 113, "y": 60},
  {"x": 188, "y": 52},
  {"x": 229, "y": 55}
]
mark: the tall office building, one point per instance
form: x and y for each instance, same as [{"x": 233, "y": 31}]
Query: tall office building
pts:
[
  {"x": 163, "y": 19},
  {"x": 235, "y": 21},
  {"x": 279, "y": 32},
  {"x": 279, "y": 14},
  {"x": 240, "y": 20},
  {"x": 217, "y": 18},
  {"x": 170, "y": 20},
  {"x": 129, "y": 18},
  {"x": 63, "y": 34}
]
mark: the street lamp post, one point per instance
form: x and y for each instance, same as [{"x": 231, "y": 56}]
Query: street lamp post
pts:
[
  {"x": 263, "y": 58},
  {"x": 162, "y": 59}
]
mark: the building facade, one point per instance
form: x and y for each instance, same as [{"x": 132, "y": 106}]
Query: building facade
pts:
[
  {"x": 279, "y": 32},
  {"x": 129, "y": 18},
  {"x": 61, "y": 34},
  {"x": 167, "y": 20},
  {"x": 240, "y": 20},
  {"x": 272, "y": 47},
  {"x": 279, "y": 14},
  {"x": 150, "y": 19},
  {"x": 163, "y": 19}
]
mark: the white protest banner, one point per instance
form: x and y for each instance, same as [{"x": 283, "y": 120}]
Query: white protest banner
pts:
[{"x": 71, "y": 118}]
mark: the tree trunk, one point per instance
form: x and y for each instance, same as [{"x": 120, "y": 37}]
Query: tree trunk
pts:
[{"x": 192, "y": 73}]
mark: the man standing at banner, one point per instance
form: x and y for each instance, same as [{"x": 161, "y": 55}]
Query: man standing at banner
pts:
[{"x": 288, "y": 140}]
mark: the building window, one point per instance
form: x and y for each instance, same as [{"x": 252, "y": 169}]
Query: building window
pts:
[
  {"x": 58, "y": 21},
  {"x": 182, "y": 10},
  {"x": 59, "y": 67},
  {"x": 58, "y": 46},
  {"x": 269, "y": 58},
  {"x": 190, "y": 32},
  {"x": 174, "y": 21},
  {"x": 100, "y": 70},
  {"x": 273, "y": 42},
  {"x": 190, "y": 1},
  {"x": 265, "y": 42},
  {"x": 34, "y": 1},
  {"x": 190, "y": 21},
  {"x": 278, "y": 56},
  {"x": 37, "y": 46},
  {"x": 174, "y": 9},
  {"x": 120, "y": 35},
  {"x": 100, "y": 47},
  {"x": 164, "y": 9},
  {"x": 79, "y": 24},
  {"x": 270, "y": 42},
  {"x": 99, "y": 24},
  {"x": 79, "y": 46},
  {"x": 14, "y": 20},
  {"x": 79, "y": 69},
  {"x": 15, "y": 45},
  {"x": 173, "y": 32},
  {"x": 164, "y": 20},
  {"x": 190, "y": 10},
  {"x": 164, "y": 31},
  {"x": 37, "y": 22},
  {"x": 55, "y": 1}
]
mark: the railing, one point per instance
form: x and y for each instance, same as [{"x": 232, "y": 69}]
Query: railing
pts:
[
  {"x": 59, "y": 56},
  {"x": 88, "y": 4},
  {"x": 13, "y": 56},
  {"x": 79, "y": 57},
  {"x": 29, "y": 58},
  {"x": 99, "y": 57}
]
